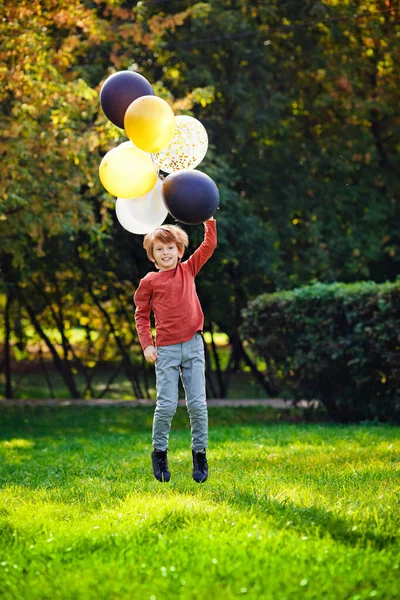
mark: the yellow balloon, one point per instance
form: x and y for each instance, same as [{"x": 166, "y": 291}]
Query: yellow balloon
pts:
[
  {"x": 127, "y": 172},
  {"x": 149, "y": 123}
]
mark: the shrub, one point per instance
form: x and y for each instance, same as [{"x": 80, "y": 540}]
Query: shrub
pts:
[{"x": 338, "y": 343}]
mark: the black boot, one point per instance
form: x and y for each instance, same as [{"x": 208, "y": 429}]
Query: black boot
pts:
[
  {"x": 160, "y": 465},
  {"x": 200, "y": 466}
]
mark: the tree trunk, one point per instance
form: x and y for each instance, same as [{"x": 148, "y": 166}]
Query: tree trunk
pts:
[
  {"x": 7, "y": 347},
  {"x": 221, "y": 392},
  {"x": 45, "y": 373},
  {"x": 210, "y": 379},
  {"x": 62, "y": 366},
  {"x": 259, "y": 377},
  {"x": 137, "y": 390}
]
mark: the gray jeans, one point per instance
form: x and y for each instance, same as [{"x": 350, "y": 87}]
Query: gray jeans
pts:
[{"x": 187, "y": 361}]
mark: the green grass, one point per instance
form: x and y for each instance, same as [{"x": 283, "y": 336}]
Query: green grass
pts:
[{"x": 290, "y": 510}]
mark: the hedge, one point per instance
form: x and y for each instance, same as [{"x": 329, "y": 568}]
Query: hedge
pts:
[{"x": 338, "y": 343}]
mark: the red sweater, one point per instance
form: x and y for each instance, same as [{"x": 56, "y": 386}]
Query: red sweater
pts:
[{"x": 172, "y": 296}]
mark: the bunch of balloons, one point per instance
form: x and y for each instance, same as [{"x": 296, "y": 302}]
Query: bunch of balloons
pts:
[{"x": 159, "y": 142}]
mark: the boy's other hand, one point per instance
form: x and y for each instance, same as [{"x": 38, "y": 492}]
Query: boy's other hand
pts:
[{"x": 150, "y": 354}]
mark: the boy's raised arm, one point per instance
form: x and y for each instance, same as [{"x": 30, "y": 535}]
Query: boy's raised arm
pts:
[{"x": 206, "y": 248}]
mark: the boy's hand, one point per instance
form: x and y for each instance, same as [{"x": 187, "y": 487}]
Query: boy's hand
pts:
[{"x": 150, "y": 354}]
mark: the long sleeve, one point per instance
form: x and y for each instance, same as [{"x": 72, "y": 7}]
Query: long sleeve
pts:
[
  {"x": 206, "y": 248},
  {"x": 142, "y": 300}
]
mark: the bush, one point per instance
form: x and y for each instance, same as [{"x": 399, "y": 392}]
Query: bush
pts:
[{"x": 338, "y": 343}]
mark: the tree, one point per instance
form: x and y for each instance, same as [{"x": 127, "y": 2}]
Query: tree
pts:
[{"x": 299, "y": 102}]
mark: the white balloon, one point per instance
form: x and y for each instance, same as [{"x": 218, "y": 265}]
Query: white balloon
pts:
[
  {"x": 187, "y": 148},
  {"x": 141, "y": 215},
  {"x": 127, "y": 144}
]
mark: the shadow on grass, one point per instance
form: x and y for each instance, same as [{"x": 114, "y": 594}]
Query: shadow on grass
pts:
[{"x": 310, "y": 520}]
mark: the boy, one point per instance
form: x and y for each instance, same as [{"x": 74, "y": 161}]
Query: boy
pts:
[{"x": 171, "y": 294}]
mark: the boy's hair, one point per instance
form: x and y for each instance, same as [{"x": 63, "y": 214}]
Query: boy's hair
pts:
[{"x": 166, "y": 234}]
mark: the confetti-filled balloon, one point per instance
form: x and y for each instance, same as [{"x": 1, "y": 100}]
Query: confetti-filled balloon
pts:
[
  {"x": 127, "y": 172},
  {"x": 141, "y": 215},
  {"x": 187, "y": 148}
]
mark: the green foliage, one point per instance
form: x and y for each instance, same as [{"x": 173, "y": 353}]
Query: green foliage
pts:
[
  {"x": 46, "y": 119},
  {"x": 304, "y": 114},
  {"x": 338, "y": 343},
  {"x": 304, "y": 511}
]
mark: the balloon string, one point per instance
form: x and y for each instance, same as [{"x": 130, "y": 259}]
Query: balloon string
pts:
[
  {"x": 159, "y": 177},
  {"x": 159, "y": 174}
]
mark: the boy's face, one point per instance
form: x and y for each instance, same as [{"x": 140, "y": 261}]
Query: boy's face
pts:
[{"x": 166, "y": 255}]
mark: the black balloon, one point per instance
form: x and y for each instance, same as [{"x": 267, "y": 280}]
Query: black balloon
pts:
[
  {"x": 191, "y": 197},
  {"x": 119, "y": 91}
]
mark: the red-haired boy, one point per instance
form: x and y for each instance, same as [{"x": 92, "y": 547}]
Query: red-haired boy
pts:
[{"x": 170, "y": 293}]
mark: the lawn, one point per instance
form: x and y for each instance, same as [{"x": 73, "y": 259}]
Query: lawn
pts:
[{"x": 291, "y": 510}]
